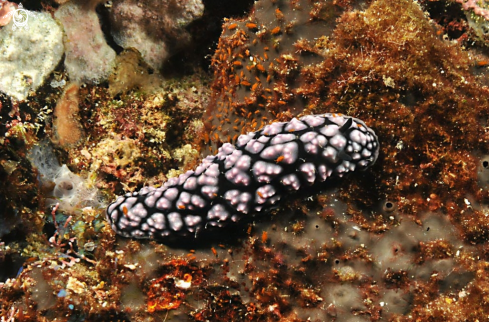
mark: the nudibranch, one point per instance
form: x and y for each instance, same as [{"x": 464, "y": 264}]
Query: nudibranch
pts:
[{"x": 248, "y": 179}]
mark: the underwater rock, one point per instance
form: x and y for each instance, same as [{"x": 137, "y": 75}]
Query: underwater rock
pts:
[
  {"x": 88, "y": 56},
  {"x": 155, "y": 28},
  {"x": 29, "y": 54}
]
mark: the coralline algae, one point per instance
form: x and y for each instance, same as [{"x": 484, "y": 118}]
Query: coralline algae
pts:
[{"x": 250, "y": 178}]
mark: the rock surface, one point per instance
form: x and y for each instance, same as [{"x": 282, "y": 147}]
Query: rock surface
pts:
[{"x": 27, "y": 57}]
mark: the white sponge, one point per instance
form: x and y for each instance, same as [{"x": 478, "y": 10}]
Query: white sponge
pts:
[{"x": 71, "y": 191}]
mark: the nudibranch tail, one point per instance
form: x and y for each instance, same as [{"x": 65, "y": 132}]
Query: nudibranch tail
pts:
[{"x": 247, "y": 179}]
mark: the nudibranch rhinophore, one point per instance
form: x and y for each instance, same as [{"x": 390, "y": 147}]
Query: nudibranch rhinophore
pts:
[{"x": 250, "y": 178}]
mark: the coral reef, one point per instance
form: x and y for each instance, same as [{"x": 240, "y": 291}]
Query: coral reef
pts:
[
  {"x": 59, "y": 226},
  {"x": 406, "y": 240},
  {"x": 477, "y": 15},
  {"x": 157, "y": 31},
  {"x": 140, "y": 136},
  {"x": 18, "y": 193}
]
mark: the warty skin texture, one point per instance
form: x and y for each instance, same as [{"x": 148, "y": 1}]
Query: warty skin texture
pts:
[{"x": 250, "y": 178}]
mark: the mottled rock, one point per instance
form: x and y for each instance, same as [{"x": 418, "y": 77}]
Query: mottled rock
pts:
[
  {"x": 29, "y": 54},
  {"x": 88, "y": 57},
  {"x": 155, "y": 28}
]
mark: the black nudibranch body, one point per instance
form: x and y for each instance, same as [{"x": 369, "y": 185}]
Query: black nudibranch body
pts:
[{"x": 247, "y": 179}]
